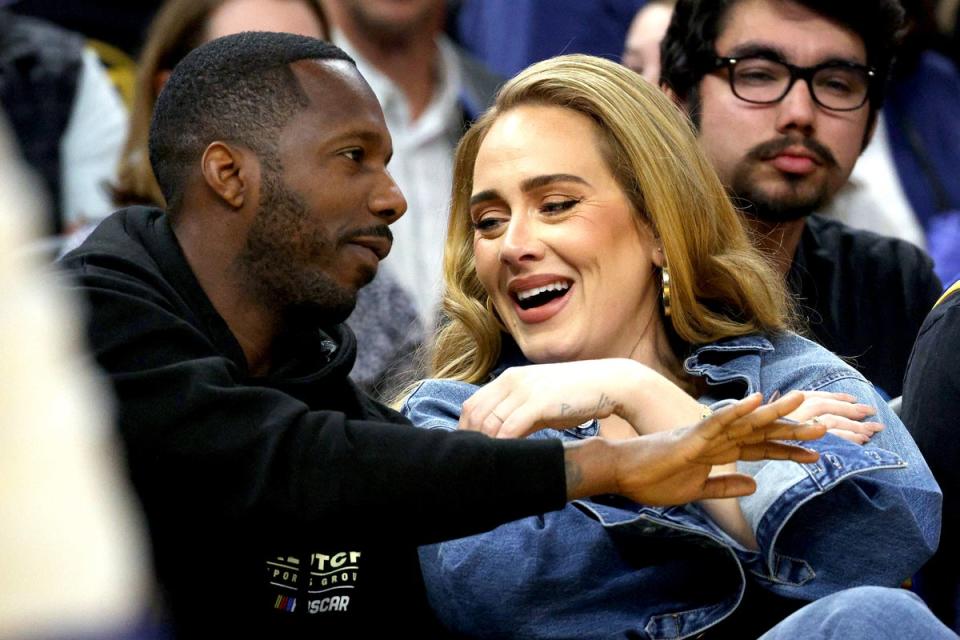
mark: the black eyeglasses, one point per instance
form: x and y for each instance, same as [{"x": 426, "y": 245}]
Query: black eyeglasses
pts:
[{"x": 837, "y": 85}]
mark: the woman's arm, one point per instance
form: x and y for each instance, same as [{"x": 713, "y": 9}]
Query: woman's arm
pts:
[
  {"x": 865, "y": 514},
  {"x": 524, "y": 399}
]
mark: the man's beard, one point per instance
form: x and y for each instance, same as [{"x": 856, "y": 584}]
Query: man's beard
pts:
[
  {"x": 802, "y": 196},
  {"x": 280, "y": 263}
]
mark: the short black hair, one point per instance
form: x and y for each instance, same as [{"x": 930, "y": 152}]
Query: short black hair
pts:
[
  {"x": 688, "y": 48},
  {"x": 240, "y": 89}
]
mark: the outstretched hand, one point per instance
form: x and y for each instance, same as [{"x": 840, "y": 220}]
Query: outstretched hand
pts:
[{"x": 673, "y": 467}]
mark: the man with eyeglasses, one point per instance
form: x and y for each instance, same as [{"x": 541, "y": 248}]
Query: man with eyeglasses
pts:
[{"x": 785, "y": 94}]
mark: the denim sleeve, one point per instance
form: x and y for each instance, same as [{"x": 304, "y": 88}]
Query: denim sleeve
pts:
[
  {"x": 550, "y": 576},
  {"x": 860, "y": 515},
  {"x": 436, "y": 404},
  {"x": 521, "y": 579},
  {"x": 558, "y": 575},
  {"x": 574, "y": 573}
]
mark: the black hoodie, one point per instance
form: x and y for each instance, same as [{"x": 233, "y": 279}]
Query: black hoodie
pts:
[{"x": 290, "y": 504}]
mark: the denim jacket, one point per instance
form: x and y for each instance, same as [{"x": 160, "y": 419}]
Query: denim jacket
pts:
[{"x": 608, "y": 567}]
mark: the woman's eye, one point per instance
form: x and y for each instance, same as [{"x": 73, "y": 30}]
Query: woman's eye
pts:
[
  {"x": 486, "y": 224},
  {"x": 558, "y": 206}
]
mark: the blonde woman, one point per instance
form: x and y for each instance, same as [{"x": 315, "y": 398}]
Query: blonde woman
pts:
[{"x": 600, "y": 282}]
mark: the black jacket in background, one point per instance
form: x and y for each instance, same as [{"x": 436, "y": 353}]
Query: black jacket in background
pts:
[
  {"x": 863, "y": 296},
  {"x": 40, "y": 67},
  {"x": 269, "y": 497},
  {"x": 931, "y": 411}
]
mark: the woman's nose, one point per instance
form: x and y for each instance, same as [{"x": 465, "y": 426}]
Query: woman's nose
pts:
[{"x": 520, "y": 241}]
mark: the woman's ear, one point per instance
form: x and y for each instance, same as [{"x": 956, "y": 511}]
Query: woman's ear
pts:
[
  {"x": 659, "y": 258},
  {"x": 224, "y": 171}
]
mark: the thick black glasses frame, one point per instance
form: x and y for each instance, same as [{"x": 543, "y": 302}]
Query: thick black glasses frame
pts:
[{"x": 803, "y": 73}]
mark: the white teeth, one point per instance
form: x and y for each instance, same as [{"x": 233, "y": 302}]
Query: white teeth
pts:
[{"x": 553, "y": 286}]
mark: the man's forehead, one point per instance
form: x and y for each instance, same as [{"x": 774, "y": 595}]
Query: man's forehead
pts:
[
  {"x": 338, "y": 79},
  {"x": 340, "y": 100},
  {"x": 336, "y": 89},
  {"x": 788, "y": 28}
]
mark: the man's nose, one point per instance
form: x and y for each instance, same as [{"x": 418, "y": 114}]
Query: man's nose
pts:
[
  {"x": 798, "y": 109},
  {"x": 387, "y": 201}
]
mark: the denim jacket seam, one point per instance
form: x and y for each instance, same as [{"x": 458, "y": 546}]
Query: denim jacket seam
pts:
[
  {"x": 652, "y": 517},
  {"x": 411, "y": 395},
  {"x": 835, "y": 376},
  {"x": 712, "y": 623},
  {"x": 433, "y": 425},
  {"x": 744, "y": 348},
  {"x": 822, "y": 489},
  {"x": 774, "y": 579}
]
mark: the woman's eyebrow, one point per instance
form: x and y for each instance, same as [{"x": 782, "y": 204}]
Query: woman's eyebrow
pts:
[
  {"x": 528, "y": 185},
  {"x": 541, "y": 181},
  {"x": 484, "y": 196}
]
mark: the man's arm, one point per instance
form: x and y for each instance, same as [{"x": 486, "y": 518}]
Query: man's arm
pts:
[
  {"x": 673, "y": 467},
  {"x": 203, "y": 439}
]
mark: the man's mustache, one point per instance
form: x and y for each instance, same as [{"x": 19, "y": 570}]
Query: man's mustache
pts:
[{"x": 772, "y": 148}]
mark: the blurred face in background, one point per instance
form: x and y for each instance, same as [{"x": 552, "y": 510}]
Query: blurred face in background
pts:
[
  {"x": 288, "y": 16},
  {"x": 236, "y": 16},
  {"x": 389, "y": 20},
  {"x": 641, "y": 51}
]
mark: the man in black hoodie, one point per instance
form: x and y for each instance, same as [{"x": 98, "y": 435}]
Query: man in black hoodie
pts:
[{"x": 281, "y": 500}]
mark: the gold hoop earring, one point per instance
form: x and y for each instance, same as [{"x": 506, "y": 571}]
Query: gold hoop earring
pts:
[{"x": 665, "y": 289}]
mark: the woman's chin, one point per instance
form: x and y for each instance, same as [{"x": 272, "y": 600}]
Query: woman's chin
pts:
[{"x": 539, "y": 353}]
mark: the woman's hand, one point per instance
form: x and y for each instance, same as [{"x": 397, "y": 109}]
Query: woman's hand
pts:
[
  {"x": 524, "y": 399},
  {"x": 673, "y": 467},
  {"x": 840, "y": 412}
]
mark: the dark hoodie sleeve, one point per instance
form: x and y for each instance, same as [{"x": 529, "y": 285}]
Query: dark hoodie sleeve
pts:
[{"x": 201, "y": 441}]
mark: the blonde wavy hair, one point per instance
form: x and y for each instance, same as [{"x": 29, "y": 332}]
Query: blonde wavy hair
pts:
[{"x": 720, "y": 285}]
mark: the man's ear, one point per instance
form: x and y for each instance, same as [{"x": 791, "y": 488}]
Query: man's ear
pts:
[{"x": 227, "y": 172}]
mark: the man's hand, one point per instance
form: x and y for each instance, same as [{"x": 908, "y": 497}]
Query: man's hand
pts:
[{"x": 673, "y": 467}]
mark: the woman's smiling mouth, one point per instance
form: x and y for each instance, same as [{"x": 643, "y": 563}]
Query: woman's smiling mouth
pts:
[{"x": 537, "y": 299}]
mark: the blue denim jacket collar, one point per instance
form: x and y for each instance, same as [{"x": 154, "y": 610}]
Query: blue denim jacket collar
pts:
[{"x": 732, "y": 360}]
